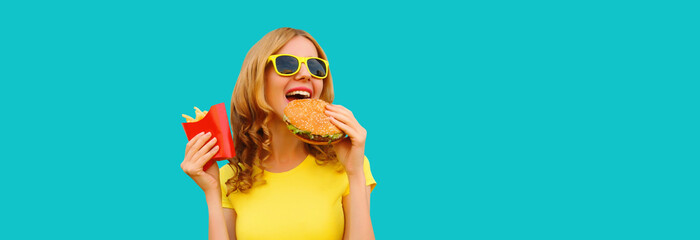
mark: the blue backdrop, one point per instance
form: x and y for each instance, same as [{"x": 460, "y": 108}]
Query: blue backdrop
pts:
[{"x": 498, "y": 120}]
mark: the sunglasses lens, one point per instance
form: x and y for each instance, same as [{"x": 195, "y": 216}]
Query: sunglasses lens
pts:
[
  {"x": 286, "y": 64},
  {"x": 317, "y": 67}
]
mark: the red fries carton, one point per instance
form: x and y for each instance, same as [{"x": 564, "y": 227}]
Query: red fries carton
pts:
[{"x": 216, "y": 122}]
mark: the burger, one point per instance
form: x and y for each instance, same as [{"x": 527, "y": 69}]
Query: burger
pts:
[{"x": 307, "y": 120}]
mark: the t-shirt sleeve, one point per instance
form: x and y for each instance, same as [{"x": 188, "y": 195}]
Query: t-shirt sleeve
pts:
[
  {"x": 369, "y": 179},
  {"x": 225, "y": 173}
]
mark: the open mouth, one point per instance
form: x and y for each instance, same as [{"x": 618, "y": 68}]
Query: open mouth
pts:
[{"x": 298, "y": 94}]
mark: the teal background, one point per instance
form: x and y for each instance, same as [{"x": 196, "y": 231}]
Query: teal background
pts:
[{"x": 487, "y": 120}]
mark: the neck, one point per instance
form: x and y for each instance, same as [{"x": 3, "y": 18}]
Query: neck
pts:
[{"x": 284, "y": 146}]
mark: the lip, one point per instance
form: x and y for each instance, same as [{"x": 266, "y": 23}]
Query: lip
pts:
[{"x": 299, "y": 89}]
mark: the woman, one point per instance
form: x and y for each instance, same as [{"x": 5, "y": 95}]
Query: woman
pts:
[{"x": 278, "y": 187}]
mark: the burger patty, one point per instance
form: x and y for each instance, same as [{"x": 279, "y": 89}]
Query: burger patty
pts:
[
  {"x": 310, "y": 136},
  {"x": 316, "y": 138}
]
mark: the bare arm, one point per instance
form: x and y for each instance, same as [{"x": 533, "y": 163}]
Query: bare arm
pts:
[
  {"x": 358, "y": 223},
  {"x": 199, "y": 151},
  {"x": 217, "y": 220},
  {"x": 230, "y": 216}
]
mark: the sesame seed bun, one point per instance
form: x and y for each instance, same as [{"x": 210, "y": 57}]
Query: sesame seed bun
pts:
[{"x": 307, "y": 120}]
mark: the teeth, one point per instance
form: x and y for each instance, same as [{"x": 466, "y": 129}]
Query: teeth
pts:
[{"x": 303, "y": 93}]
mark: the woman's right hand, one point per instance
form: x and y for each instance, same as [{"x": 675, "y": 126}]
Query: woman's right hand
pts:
[{"x": 196, "y": 155}]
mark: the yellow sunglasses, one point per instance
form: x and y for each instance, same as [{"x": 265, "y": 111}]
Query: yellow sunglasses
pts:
[{"x": 288, "y": 65}]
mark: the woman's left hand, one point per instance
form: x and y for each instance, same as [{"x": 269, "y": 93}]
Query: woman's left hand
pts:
[{"x": 351, "y": 152}]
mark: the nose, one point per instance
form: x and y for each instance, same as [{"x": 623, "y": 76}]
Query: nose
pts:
[{"x": 303, "y": 73}]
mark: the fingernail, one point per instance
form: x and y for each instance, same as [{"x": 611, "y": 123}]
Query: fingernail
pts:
[{"x": 208, "y": 133}]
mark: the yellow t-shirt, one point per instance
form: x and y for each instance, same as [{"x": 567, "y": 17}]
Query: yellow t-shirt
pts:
[{"x": 302, "y": 203}]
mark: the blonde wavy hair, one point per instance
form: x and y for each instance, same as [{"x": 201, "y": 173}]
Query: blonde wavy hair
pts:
[{"x": 250, "y": 113}]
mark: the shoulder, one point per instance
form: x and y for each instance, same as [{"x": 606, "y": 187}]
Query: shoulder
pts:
[
  {"x": 366, "y": 162},
  {"x": 225, "y": 172}
]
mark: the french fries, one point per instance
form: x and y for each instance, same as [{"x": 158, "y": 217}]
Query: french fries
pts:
[{"x": 199, "y": 115}]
